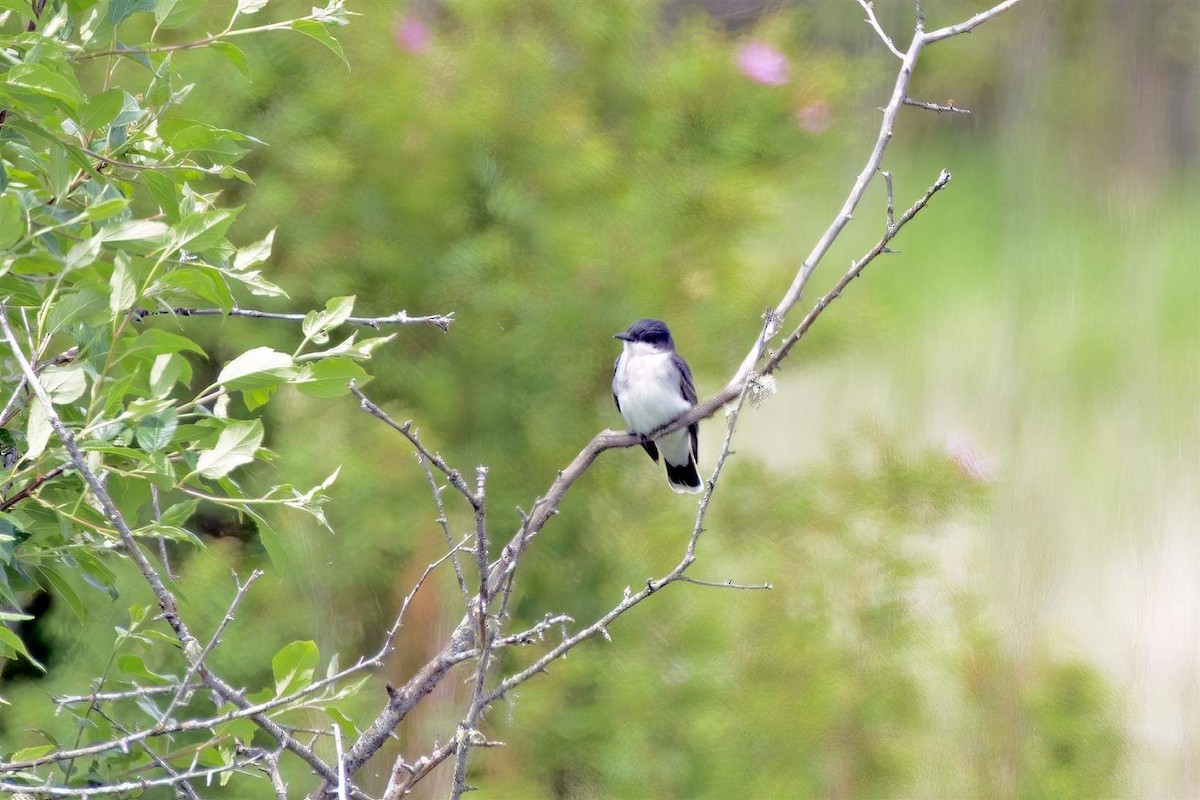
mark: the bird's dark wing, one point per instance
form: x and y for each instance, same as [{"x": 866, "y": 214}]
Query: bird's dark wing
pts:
[{"x": 687, "y": 387}]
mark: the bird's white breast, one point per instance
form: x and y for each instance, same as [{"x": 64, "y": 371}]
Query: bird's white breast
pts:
[{"x": 646, "y": 384}]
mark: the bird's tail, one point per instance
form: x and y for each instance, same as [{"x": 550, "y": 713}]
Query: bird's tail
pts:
[{"x": 684, "y": 479}]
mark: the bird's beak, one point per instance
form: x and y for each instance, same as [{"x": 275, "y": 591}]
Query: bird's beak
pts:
[{"x": 623, "y": 336}]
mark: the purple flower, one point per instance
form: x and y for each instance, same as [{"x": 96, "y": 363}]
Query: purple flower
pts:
[
  {"x": 815, "y": 118},
  {"x": 975, "y": 464},
  {"x": 412, "y": 35},
  {"x": 763, "y": 64}
]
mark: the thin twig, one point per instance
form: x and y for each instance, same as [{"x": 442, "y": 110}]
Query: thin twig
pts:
[
  {"x": 949, "y": 107},
  {"x": 183, "y": 786},
  {"x": 403, "y": 699},
  {"x": 32, "y": 487},
  {"x": 162, "y": 540},
  {"x": 198, "y": 664},
  {"x": 855, "y": 270},
  {"x": 440, "y": 321},
  {"x": 969, "y": 25},
  {"x": 887, "y": 40},
  {"x": 483, "y": 641},
  {"x": 728, "y": 584},
  {"x": 341, "y": 763},
  {"x": 444, "y": 522},
  {"x": 281, "y": 789},
  {"x": 127, "y": 786},
  {"x": 891, "y": 200},
  {"x": 131, "y": 694},
  {"x": 406, "y": 430}
]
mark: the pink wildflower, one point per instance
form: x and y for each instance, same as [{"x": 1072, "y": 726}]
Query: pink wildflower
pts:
[
  {"x": 763, "y": 64},
  {"x": 815, "y": 118},
  {"x": 976, "y": 464},
  {"x": 412, "y": 35}
]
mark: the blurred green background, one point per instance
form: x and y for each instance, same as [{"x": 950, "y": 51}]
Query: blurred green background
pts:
[{"x": 974, "y": 493}]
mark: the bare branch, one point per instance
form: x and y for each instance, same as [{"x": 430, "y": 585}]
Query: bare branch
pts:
[
  {"x": 600, "y": 626},
  {"x": 855, "y": 270},
  {"x": 162, "y": 540},
  {"x": 98, "y": 697},
  {"x": 444, "y": 522},
  {"x": 403, "y": 699},
  {"x": 127, "y": 786},
  {"x": 183, "y": 786},
  {"x": 166, "y": 600},
  {"x": 198, "y": 664},
  {"x": 441, "y": 321},
  {"x": 341, "y": 763},
  {"x": 452, "y": 554},
  {"x": 728, "y": 584},
  {"x": 874, "y": 23},
  {"x": 406, "y": 430},
  {"x": 891, "y": 200},
  {"x": 970, "y": 24},
  {"x": 281, "y": 789},
  {"x": 948, "y": 108},
  {"x": 483, "y": 641},
  {"x": 32, "y": 487}
]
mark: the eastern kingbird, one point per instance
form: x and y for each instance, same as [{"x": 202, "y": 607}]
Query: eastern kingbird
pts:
[{"x": 653, "y": 385}]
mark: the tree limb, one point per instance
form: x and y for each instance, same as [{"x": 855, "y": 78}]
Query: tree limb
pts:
[{"x": 440, "y": 321}]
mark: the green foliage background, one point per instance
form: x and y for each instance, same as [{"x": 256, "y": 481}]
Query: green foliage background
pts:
[{"x": 552, "y": 171}]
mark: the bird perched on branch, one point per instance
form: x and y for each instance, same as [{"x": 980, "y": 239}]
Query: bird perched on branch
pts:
[{"x": 653, "y": 385}]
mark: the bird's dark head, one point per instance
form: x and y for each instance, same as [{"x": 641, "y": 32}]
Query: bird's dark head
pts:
[{"x": 651, "y": 332}]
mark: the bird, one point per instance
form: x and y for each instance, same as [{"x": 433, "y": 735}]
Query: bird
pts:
[{"x": 651, "y": 386}]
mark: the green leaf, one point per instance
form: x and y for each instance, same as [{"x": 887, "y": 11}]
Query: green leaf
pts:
[
  {"x": 123, "y": 291},
  {"x": 345, "y": 724},
  {"x": 331, "y": 377},
  {"x": 75, "y": 307},
  {"x": 202, "y": 230},
  {"x": 120, "y": 10},
  {"x": 105, "y": 209},
  {"x": 318, "y": 324},
  {"x": 64, "y": 590},
  {"x": 169, "y": 369},
  {"x": 137, "y": 230},
  {"x": 12, "y": 221},
  {"x": 83, "y": 254},
  {"x": 155, "y": 431},
  {"x": 270, "y": 540},
  {"x": 176, "y": 13},
  {"x": 254, "y": 254},
  {"x": 251, "y": 6},
  {"x": 174, "y": 533},
  {"x": 30, "y": 753},
  {"x": 156, "y": 341},
  {"x": 102, "y": 108},
  {"x": 205, "y": 283},
  {"x": 41, "y": 79},
  {"x": 235, "y": 55},
  {"x": 256, "y": 368},
  {"x": 132, "y": 664},
  {"x": 236, "y": 445},
  {"x": 37, "y": 431},
  {"x": 64, "y": 384},
  {"x": 293, "y": 666},
  {"x": 10, "y": 639},
  {"x": 165, "y": 192},
  {"x": 319, "y": 32},
  {"x": 179, "y": 513},
  {"x": 256, "y": 283}
]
